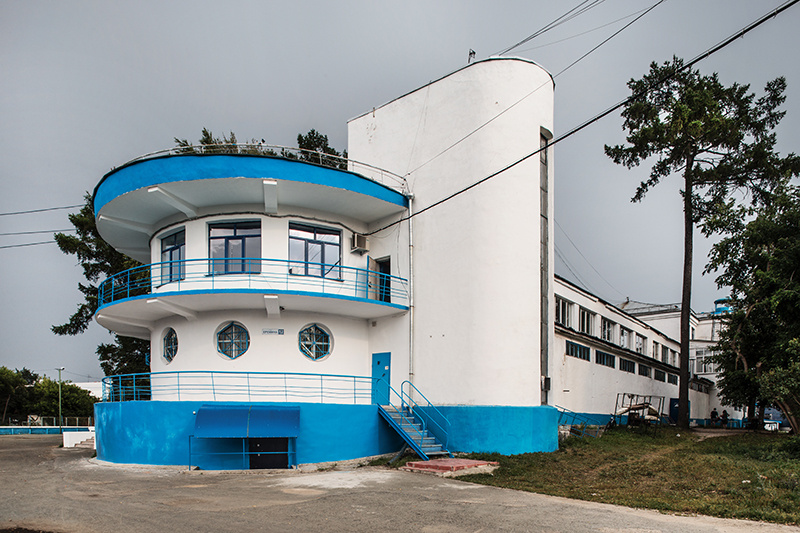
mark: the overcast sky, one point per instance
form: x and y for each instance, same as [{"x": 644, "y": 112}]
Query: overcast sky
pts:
[{"x": 85, "y": 86}]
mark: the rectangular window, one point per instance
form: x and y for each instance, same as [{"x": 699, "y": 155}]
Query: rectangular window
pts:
[
  {"x": 235, "y": 247},
  {"x": 672, "y": 378},
  {"x": 625, "y": 338},
  {"x": 578, "y": 350},
  {"x": 656, "y": 350},
  {"x": 641, "y": 344},
  {"x": 659, "y": 375},
  {"x": 664, "y": 354},
  {"x": 703, "y": 363},
  {"x": 315, "y": 251},
  {"x": 603, "y": 358},
  {"x": 586, "y": 324},
  {"x": 173, "y": 254},
  {"x": 607, "y": 330},
  {"x": 673, "y": 358},
  {"x": 563, "y": 312},
  {"x": 644, "y": 370},
  {"x": 627, "y": 366}
]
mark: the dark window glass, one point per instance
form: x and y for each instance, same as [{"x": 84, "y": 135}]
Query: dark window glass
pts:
[
  {"x": 314, "y": 251},
  {"x": 173, "y": 255},
  {"x": 235, "y": 248}
]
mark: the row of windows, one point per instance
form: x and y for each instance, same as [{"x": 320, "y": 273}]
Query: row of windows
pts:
[
  {"x": 610, "y": 331},
  {"x": 233, "y": 340},
  {"x": 606, "y": 359},
  {"x": 232, "y": 246}
]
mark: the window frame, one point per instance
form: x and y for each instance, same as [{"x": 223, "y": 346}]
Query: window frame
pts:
[
  {"x": 626, "y": 365},
  {"x": 607, "y": 330},
  {"x": 308, "y": 347},
  {"x": 169, "y": 344},
  {"x": 586, "y": 321},
  {"x": 640, "y": 343},
  {"x": 625, "y": 337},
  {"x": 579, "y": 351},
  {"x": 325, "y": 269},
  {"x": 237, "y": 329},
  {"x": 246, "y": 265},
  {"x": 563, "y": 312},
  {"x": 173, "y": 266},
  {"x": 604, "y": 358}
]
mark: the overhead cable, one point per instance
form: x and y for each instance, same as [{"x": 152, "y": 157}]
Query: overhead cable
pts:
[
  {"x": 566, "y": 17},
  {"x": 501, "y": 113},
  {"x": 772, "y": 14},
  {"x": 41, "y": 210}
]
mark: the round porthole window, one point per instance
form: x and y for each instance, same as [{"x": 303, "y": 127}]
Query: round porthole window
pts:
[
  {"x": 315, "y": 342},
  {"x": 170, "y": 344},
  {"x": 233, "y": 340}
]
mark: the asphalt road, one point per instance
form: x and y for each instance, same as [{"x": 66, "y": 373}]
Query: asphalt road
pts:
[{"x": 44, "y": 487}]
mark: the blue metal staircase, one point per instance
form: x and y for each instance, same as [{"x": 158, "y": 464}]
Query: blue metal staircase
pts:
[{"x": 423, "y": 427}]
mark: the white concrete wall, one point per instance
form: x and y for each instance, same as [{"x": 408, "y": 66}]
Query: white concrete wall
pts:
[{"x": 476, "y": 282}]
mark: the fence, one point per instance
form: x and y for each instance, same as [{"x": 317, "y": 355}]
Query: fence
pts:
[{"x": 46, "y": 421}]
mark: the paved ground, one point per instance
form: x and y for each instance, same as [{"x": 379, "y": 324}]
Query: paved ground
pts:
[{"x": 44, "y": 487}]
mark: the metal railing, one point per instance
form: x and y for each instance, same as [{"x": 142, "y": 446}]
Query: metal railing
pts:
[
  {"x": 578, "y": 424},
  {"x": 432, "y": 419},
  {"x": 258, "y": 274},
  {"x": 239, "y": 386},
  {"x": 372, "y": 173}
]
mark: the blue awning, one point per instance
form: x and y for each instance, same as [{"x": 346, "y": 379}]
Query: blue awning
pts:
[{"x": 245, "y": 421}]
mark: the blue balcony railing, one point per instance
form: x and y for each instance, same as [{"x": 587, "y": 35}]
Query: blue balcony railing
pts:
[
  {"x": 266, "y": 275},
  {"x": 205, "y": 385}
]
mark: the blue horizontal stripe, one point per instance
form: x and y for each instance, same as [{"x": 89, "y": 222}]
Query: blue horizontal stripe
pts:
[{"x": 177, "y": 168}]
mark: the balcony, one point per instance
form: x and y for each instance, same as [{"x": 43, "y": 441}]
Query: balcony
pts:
[
  {"x": 134, "y": 200},
  {"x": 202, "y": 385},
  {"x": 131, "y": 300}
]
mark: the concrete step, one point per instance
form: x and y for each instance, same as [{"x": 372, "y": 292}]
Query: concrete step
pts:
[{"x": 88, "y": 443}]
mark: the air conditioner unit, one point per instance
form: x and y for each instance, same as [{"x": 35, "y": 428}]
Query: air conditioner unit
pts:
[{"x": 359, "y": 243}]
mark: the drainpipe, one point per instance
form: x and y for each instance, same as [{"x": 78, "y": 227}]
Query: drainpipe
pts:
[{"x": 411, "y": 287}]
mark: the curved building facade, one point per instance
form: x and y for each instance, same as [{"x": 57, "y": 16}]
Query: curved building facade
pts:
[{"x": 297, "y": 314}]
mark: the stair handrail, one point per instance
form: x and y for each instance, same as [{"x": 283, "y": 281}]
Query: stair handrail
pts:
[
  {"x": 444, "y": 428},
  {"x": 399, "y": 410}
]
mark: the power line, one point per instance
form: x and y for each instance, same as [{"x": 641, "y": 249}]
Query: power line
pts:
[
  {"x": 41, "y": 210},
  {"x": 583, "y": 32},
  {"x": 585, "y": 259},
  {"x": 37, "y": 232},
  {"x": 27, "y": 244},
  {"x": 599, "y": 116},
  {"x": 611, "y": 37},
  {"x": 566, "y": 17},
  {"x": 501, "y": 113}
]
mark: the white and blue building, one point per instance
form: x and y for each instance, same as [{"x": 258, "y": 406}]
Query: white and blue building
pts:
[{"x": 296, "y": 314}]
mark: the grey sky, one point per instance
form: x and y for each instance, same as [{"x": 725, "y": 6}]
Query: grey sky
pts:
[{"x": 85, "y": 86}]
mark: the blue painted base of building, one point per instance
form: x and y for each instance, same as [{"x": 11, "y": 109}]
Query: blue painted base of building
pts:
[
  {"x": 163, "y": 433},
  {"x": 160, "y": 433},
  {"x": 506, "y": 430}
]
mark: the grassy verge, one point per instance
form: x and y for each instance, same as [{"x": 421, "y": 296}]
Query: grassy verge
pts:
[{"x": 746, "y": 476}]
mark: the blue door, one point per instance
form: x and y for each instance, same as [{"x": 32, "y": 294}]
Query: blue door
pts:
[{"x": 381, "y": 372}]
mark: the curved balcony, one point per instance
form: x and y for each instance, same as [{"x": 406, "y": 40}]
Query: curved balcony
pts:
[
  {"x": 205, "y": 385},
  {"x": 136, "y": 199},
  {"x": 192, "y": 286}
]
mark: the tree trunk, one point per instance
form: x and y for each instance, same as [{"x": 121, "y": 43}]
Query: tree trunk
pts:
[{"x": 686, "y": 296}]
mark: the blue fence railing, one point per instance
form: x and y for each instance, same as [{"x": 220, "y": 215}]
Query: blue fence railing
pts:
[
  {"x": 239, "y": 386},
  {"x": 259, "y": 274}
]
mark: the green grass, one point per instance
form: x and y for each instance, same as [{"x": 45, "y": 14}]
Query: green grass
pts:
[{"x": 747, "y": 476}]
